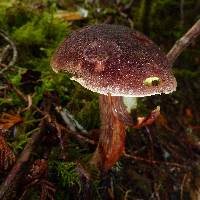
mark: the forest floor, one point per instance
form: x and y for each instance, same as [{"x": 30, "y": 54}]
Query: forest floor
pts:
[{"x": 49, "y": 125}]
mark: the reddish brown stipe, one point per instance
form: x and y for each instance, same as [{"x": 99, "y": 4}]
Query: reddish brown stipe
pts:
[{"x": 112, "y": 138}]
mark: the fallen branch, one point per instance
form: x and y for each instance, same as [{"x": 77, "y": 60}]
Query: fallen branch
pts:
[
  {"x": 155, "y": 162},
  {"x": 184, "y": 42},
  {"x": 77, "y": 135},
  {"x": 17, "y": 168}
]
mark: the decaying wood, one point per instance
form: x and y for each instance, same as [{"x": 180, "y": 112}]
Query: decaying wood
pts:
[{"x": 181, "y": 44}]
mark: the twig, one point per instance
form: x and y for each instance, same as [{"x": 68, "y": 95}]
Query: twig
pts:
[
  {"x": 185, "y": 177},
  {"x": 4, "y": 52},
  {"x": 155, "y": 195},
  {"x": 151, "y": 141},
  {"x": 19, "y": 93},
  {"x": 155, "y": 162},
  {"x": 184, "y": 42},
  {"x": 23, "y": 158},
  {"x": 69, "y": 120},
  {"x": 82, "y": 138},
  {"x": 59, "y": 135},
  {"x": 129, "y": 5},
  {"x": 76, "y": 134},
  {"x": 30, "y": 102},
  {"x": 127, "y": 194},
  {"x": 12, "y": 44}
]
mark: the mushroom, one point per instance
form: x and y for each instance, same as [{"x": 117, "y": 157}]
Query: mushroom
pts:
[{"x": 114, "y": 61}]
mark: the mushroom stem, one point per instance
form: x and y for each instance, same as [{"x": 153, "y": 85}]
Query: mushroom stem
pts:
[{"x": 112, "y": 139}]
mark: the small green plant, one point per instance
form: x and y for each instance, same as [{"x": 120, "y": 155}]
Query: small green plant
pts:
[
  {"x": 68, "y": 175},
  {"x": 21, "y": 140}
]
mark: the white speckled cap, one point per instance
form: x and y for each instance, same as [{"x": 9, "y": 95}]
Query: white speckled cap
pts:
[{"x": 113, "y": 59}]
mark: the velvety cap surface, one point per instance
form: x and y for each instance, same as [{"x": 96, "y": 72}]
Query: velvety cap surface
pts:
[{"x": 114, "y": 59}]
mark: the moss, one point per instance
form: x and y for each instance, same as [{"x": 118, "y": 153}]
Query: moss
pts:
[
  {"x": 138, "y": 15},
  {"x": 36, "y": 33},
  {"x": 184, "y": 73},
  {"x": 67, "y": 173}
]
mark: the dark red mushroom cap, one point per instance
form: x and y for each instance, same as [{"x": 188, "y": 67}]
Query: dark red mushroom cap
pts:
[{"x": 113, "y": 59}]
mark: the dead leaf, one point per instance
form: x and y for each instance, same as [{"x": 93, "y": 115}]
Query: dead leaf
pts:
[
  {"x": 7, "y": 120},
  {"x": 67, "y": 15},
  {"x": 150, "y": 119}
]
